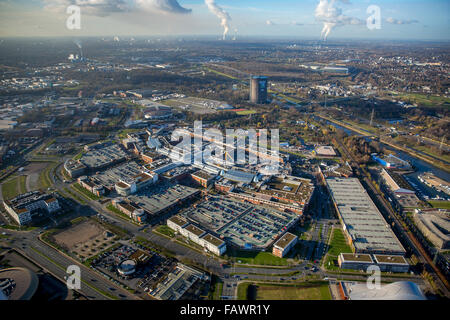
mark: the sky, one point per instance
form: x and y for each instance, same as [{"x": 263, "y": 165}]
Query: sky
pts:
[{"x": 228, "y": 19}]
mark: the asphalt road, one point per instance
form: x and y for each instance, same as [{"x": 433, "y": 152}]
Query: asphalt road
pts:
[{"x": 93, "y": 285}]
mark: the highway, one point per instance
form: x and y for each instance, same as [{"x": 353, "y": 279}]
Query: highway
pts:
[{"x": 93, "y": 285}]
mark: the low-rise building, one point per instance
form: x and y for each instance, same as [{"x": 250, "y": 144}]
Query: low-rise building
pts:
[
  {"x": 284, "y": 244},
  {"x": 132, "y": 210},
  {"x": 213, "y": 244},
  {"x": 91, "y": 185},
  {"x": 150, "y": 157},
  {"x": 325, "y": 151},
  {"x": 193, "y": 233},
  {"x": 386, "y": 263},
  {"x": 392, "y": 162},
  {"x": 136, "y": 183},
  {"x": 355, "y": 261},
  {"x": 177, "y": 223},
  {"x": 197, "y": 235},
  {"x": 22, "y": 207},
  {"x": 224, "y": 186},
  {"x": 203, "y": 178},
  {"x": 74, "y": 168},
  {"x": 389, "y": 263}
]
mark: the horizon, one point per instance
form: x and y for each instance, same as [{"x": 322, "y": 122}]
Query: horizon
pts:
[{"x": 311, "y": 19}]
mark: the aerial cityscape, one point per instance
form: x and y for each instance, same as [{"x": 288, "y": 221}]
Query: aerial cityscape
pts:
[{"x": 224, "y": 151}]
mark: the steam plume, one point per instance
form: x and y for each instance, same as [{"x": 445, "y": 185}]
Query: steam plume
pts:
[
  {"x": 331, "y": 17},
  {"x": 221, "y": 14}
]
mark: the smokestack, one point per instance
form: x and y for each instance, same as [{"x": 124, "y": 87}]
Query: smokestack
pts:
[{"x": 221, "y": 14}]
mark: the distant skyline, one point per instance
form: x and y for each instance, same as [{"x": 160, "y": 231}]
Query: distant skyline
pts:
[{"x": 310, "y": 19}]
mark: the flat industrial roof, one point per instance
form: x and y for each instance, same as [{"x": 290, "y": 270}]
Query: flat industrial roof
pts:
[
  {"x": 102, "y": 156},
  {"x": 285, "y": 240},
  {"x": 179, "y": 221},
  {"x": 365, "y": 224},
  {"x": 389, "y": 259},
  {"x": 203, "y": 175},
  {"x": 193, "y": 229},
  {"x": 351, "y": 257},
  {"x": 213, "y": 240},
  {"x": 239, "y": 176},
  {"x": 159, "y": 198}
]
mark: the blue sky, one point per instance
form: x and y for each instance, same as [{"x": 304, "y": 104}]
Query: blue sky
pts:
[{"x": 400, "y": 19}]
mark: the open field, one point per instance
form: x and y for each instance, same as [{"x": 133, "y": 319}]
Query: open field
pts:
[
  {"x": 246, "y": 112},
  {"x": 44, "y": 180},
  {"x": 440, "y": 204},
  {"x": 222, "y": 74},
  {"x": 33, "y": 171},
  {"x": 14, "y": 187},
  {"x": 85, "y": 239},
  {"x": 425, "y": 100},
  {"x": 428, "y": 151},
  {"x": 256, "y": 258},
  {"x": 338, "y": 245},
  {"x": 268, "y": 291},
  {"x": 84, "y": 192}
]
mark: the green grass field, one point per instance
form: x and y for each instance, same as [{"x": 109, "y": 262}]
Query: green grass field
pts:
[
  {"x": 425, "y": 100},
  {"x": 256, "y": 258},
  {"x": 23, "y": 184},
  {"x": 44, "y": 177},
  {"x": 85, "y": 192},
  {"x": 265, "y": 291},
  {"x": 242, "y": 290},
  {"x": 428, "y": 151},
  {"x": 246, "y": 112},
  {"x": 440, "y": 204},
  {"x": 10, "y": 188},
  {"x": 217, "y": 288},
  {"x": 338, "y": 245},
  {"x": 221, "y": 74},
  {"x": 165, "y": 230}
]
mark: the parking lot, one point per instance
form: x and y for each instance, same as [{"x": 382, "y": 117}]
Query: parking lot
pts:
[
  {"x": 217, "y": 212},
  {"x": 148, "y": 273},
  {"x": 241, "y": 223}
]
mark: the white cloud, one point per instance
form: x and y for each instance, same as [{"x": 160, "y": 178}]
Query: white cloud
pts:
[
  {"x": 167, "y": 6},
  {"x": 100, "y": 8},
  {"x": 104, "y": 8},
  {"x": 331, "y": 16}
]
